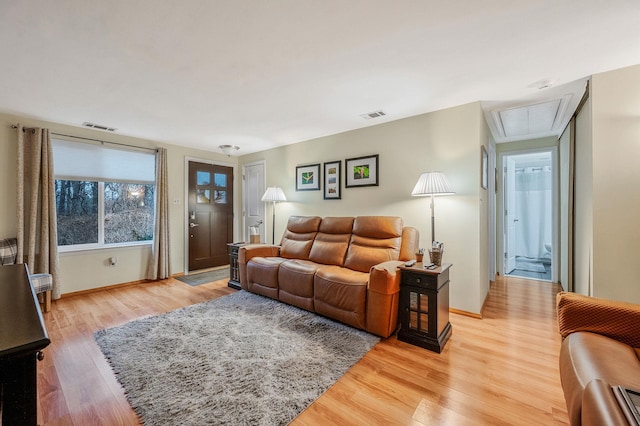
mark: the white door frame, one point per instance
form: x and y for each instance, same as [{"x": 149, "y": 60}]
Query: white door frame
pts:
[
  {"x": 555, "y": 210},
  {"x": 185, "y": 197},
  {"x": 492, "y": 211}
]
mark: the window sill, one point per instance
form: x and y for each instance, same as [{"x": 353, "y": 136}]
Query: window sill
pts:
[{"x": 95, "y": 247}]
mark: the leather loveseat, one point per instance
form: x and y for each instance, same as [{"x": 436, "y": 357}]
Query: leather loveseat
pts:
[
  {"x": 344, "y": 268},
  {"x": 600, "y": 351}
]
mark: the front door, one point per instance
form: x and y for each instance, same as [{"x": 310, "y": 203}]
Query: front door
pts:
[{"x": 210, "y": 215}]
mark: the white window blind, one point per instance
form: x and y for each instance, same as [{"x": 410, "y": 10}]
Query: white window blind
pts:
[{"x": 84, "y": 161}]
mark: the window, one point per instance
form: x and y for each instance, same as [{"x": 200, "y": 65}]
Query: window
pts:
[{"x": 104, "y": 196}]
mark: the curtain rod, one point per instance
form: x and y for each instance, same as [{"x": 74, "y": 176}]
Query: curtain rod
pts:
[{"x": 15, "y": 126}]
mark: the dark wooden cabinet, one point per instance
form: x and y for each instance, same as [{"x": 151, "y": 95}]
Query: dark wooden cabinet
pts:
[
  {"x": 234, "y": 270},
  {"x": 424, "y": 306},
  {"x": 22, "y": 338}
]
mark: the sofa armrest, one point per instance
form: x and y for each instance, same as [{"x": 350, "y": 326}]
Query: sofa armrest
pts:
[
  {"x": 613, "y": 319},
  {"x": 246, "y": 252},
  {"x": 384, "y": 277},
  {"x": 383, "y": 294},
  {"x": 600, "y": 405},
  {"x": 249, "y": 251}
]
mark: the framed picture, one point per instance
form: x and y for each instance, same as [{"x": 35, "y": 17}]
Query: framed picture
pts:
[
  {"x": 484, "y": 178},
  {"x": 332, "y": 180},
  {"x": 361, "y": 171},
  {"x": 308, "y": 178}
]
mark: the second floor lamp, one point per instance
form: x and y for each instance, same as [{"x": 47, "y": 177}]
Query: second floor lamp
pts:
[{"x": 432, "y": 183}]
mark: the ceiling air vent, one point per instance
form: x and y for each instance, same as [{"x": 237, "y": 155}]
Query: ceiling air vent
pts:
[
  {"x": 99, "y": 126},
  {"x": 374, "y": 114}
]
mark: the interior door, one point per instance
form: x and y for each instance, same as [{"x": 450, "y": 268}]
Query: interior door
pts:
[
  {"x": 510, "y": 215},
  {"x": 210, "y": 214},
  {"x": 254, "y": 208}
]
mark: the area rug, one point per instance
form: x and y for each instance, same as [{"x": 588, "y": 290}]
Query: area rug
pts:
[
  {"x": 238, "y": 359},
  {"x": 204, "y": 277}
]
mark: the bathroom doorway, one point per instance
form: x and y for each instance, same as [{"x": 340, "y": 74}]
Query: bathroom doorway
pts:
[{"x": 529, "y": 221}]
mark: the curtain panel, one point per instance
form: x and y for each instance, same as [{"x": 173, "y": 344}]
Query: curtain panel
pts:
[
  {"x": 36, "y": 214},
  {"x": 159, "y": 264}
]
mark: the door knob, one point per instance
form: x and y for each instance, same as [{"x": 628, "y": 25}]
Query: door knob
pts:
[{"x": 193, "y": 225}]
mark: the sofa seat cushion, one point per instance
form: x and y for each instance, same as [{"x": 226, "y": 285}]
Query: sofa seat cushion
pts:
[
  {"x": 262, "y": 275},
  {"x": 588, "y": 356},
  {"x": 341, "y": 293},
  {"x": 295, "y": 280},
  {"x": 41, "y": 282}
]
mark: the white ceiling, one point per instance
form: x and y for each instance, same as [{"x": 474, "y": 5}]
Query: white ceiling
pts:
[{"x": 260, "y": 74}]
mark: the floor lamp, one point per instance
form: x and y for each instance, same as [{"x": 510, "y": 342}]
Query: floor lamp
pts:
[
  {"x": 275, "y": 195},
  {"x": 432, "y": 183}
]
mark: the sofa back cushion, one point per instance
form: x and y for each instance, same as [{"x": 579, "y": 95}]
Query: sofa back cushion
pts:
[
  {"x": 331, "y": 242},
  {"x": 374, "y": 239},
  {"x": 298, "y": 237}
]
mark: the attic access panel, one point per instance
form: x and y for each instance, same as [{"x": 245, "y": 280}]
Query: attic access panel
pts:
[{"x": 530, "y": 119}]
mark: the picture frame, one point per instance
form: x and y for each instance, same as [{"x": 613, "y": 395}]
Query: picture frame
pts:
[
  {"x": 361, "y": 171},
  {"x": 332, "y": 180},
  {"x": 308, "y": 177},
  {"x": 484, "y": 177}
]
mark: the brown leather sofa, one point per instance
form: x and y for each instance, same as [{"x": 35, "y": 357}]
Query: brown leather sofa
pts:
[
  {"x": 344, "y": 268},
  {"x": 600, "y": 351}
]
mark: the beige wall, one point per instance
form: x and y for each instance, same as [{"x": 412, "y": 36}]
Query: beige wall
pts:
[
  {"x": 616, "y": 180},
  {"x": 607, "y": 204},
  {"x": 89, "y": 269},
  {"x": 447, "y": 141}
]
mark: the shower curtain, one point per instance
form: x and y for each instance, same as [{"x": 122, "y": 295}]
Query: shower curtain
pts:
[{"x": 533, "y": 209}]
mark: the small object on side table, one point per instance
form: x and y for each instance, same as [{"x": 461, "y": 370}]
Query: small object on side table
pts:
[
  {"x": 234, "y": 269},
  {"x": 424, "y": 306}
]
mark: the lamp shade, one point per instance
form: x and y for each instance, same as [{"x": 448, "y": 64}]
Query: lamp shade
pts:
[
  {"x": 432, "y": 183},
  {"x": 275, "y": 194}
]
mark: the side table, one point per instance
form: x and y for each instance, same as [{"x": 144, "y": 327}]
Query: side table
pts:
[
  {"x": 424, "y": 306},
  {"x": 234, "y": 270}
]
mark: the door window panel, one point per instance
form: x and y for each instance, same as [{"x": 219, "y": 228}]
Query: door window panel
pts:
[
  {"x": 221, "y": 197},
  {"x": 204, "y": 196},
  {"x": 220, "y": 180},
  {"x": 203, "y": 178}
]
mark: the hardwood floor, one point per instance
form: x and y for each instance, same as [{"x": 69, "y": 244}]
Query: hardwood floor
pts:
[{"x": 501, "y": 370}]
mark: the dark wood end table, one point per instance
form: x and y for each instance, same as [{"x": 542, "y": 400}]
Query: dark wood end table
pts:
[{"x": 424, "y": 306}]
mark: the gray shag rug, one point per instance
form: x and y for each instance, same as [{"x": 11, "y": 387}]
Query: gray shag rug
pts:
[{"x": 241, "y": 359}]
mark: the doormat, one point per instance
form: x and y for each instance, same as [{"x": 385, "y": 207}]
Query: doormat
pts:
[
  {"x": 241, "y": 359},
  {"x": 527, "y": 265},
  {"x": 204, "y": 277}
]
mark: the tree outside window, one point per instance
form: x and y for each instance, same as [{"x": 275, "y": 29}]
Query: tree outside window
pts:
[{"x": 103, "y": 213}]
